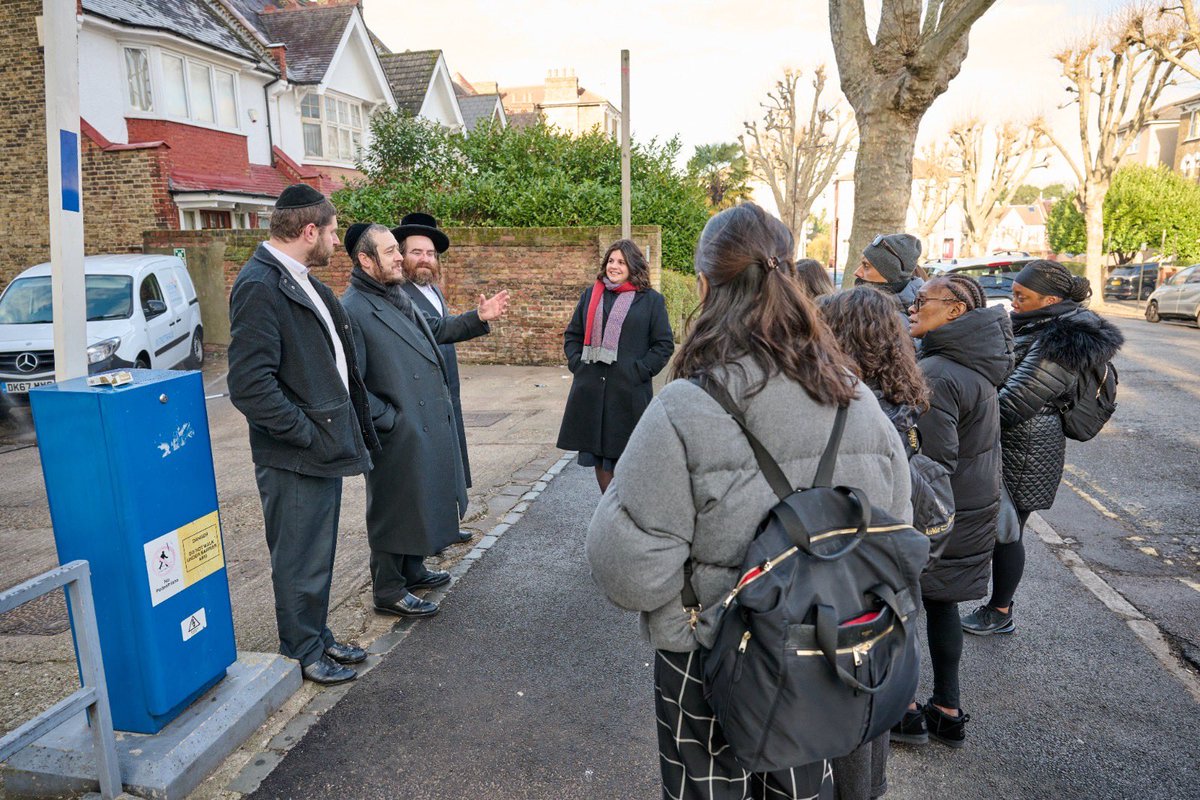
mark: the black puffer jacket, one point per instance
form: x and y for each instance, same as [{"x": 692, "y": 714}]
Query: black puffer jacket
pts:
[
  {"x": 1053, "y": 346},
  {"x": 964, "y": 361}
]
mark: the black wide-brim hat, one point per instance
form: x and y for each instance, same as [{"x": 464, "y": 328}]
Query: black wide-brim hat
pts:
[{"x": 418, "y": 224}]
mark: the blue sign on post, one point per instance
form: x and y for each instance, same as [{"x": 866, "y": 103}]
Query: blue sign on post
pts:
[{"x": 68, "y": 151}]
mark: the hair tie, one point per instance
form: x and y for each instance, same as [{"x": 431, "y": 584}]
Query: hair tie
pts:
[{"x": 772, "y": 262}]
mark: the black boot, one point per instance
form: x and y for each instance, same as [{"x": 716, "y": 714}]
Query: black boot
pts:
[
  {"x": 911, "y": 729},
  {"x": 950, "y": 731}
]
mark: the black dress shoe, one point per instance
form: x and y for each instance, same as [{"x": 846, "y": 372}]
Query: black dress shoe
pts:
[
  {"x": 346, "y": 653},
  {"x": 431, "y": 580},
  {"x": 326, "y": 671},
  {"x": 465, "y": 536},
  {"x": 409, "y": 606}
]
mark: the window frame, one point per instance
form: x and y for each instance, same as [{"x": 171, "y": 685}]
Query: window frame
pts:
[
  {"x": 149, "y": 77},
  {"x": 1194, "y": 124},
  {"x": 331, "y": 130},
  {"x": 158, "y": 82}
]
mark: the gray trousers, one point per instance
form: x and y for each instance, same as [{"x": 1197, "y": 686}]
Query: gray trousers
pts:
[
  {"x": 300, "y": 513},
  {"x": 392, "y": 574}
]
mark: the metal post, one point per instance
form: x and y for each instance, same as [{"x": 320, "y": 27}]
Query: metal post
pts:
[
  {"x": 626, "y": 194},
  {"x": 87, "y": 639},
  {"x": 61, "y": 47}
]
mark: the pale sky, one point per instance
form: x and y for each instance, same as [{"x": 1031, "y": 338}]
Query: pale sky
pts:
[{"x": 699, "y": 68}]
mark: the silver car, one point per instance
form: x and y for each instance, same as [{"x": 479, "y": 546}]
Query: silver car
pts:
[{"x": 1178, "y": 298}]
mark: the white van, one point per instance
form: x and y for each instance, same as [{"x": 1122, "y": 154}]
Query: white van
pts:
[{"x": 142, "y": 312}]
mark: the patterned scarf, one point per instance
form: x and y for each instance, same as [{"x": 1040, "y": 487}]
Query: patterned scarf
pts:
[{"x": 606, "y": 332}]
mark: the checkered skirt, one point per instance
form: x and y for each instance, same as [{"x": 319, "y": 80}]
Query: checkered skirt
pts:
[{"x": 697, "y": 763}]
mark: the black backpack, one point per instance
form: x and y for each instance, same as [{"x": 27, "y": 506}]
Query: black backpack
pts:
[
  {"x": 1092, "y": 403},
  {"x": 816, "y": 648},
  {"x": 932, "y": 495}
]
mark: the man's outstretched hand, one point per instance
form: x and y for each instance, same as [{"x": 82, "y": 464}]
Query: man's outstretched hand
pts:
[{"x": 493, "y": 307}]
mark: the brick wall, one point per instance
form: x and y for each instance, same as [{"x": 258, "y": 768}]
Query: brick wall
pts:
[
  {"x": 193, "y": 146},
  {"x": 124, "y": 191},
  {"x": 545, "y": 270}
]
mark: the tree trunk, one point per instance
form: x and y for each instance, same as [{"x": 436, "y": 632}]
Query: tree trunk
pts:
[
  {"x": 882, "y": 180},
  {"x": 1093, "y": 218}
]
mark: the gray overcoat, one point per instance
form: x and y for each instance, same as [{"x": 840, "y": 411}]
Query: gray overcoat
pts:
[{"x": 416, "y": 492}]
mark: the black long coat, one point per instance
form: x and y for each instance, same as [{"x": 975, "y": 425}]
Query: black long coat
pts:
[
  {"x": 1053, "y": 346},
  {"x": 445, "y": 339},
  {"x": 416, "y": 492},
  {"x": 607, "y": 400},
  {"x": 964, "y": 362}
]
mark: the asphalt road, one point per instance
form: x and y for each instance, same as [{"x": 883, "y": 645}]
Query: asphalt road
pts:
[
  {"x": 529, "y": 685},
  {"x": 1129, "y": 496}
]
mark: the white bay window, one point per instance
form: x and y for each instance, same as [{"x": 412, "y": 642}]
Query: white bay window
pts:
[
  {"x": 332, "y": 127},
  {"x": 183, "y": 88}
]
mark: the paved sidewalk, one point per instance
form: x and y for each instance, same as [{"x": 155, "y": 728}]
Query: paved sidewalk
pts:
[{"x": 529, "y": 685}]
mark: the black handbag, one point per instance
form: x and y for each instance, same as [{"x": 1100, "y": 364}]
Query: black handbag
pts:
[{"x": 816, "y": 648}]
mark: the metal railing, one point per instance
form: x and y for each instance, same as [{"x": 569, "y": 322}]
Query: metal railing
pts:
[{"x": 93, "y": 695}]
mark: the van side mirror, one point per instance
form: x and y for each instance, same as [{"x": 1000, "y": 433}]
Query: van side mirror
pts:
[{"x": 152, "y": 308}]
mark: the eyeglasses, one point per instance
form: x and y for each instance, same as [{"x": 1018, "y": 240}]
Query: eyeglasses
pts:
[
  {"x": 920, "y": 302},
  {"x": 879, "y": 241}
]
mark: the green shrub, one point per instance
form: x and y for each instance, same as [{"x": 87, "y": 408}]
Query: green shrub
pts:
[{"x": 682, "y": 296}]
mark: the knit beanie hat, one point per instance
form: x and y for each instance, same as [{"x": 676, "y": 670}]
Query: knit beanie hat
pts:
[{"x": 894, "y": 256}]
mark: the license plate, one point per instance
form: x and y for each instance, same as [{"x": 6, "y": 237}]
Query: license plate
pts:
[
  {"x": 1114, "y": 282},
  {"x": 23, "y": 387}
]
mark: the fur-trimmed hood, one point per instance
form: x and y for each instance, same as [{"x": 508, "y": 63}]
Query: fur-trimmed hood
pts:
[{"x": 1079, "y": 340}]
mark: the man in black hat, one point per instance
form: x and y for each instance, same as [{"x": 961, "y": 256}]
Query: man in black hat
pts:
[
  {"x": 416, "y": 492},
  {"x": 421, "y": 244},
  {"x": 293, "y": 373},
  {"x": 889, "y": 263}
]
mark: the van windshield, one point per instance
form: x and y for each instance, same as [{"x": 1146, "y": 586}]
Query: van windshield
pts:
[{"x": 27, "y": 300}]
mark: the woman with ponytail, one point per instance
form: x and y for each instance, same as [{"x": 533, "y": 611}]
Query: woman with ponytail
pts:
[
  {"x": 688, "y": 493},
  {"x": 617, "y": 341},
  {"x": 966, "y": 352},
  {"x": 1056, "y": 340}
]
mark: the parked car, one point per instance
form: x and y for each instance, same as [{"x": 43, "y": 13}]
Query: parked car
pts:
[
  {"x": 142, "y": 312},
  {"x": 1178, "y": 298},
  {"x": 995, "y": 274},
  {"x": 1131, "y": 282}
]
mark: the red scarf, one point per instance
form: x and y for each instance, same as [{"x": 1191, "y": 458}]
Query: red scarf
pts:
[{"x": 594, "y": 303}]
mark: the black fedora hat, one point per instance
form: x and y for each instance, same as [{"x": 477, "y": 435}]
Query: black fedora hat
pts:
[{"x": 418, "y": 224}]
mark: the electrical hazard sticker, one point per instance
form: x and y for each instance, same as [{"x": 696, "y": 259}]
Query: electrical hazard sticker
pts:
[
  {"x": 182, "y": 557},
  {"x": 194, "y": 624}
]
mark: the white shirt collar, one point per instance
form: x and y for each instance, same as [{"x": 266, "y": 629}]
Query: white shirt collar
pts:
[{"x": 293, "y": 266}]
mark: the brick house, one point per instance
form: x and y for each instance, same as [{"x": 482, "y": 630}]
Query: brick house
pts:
[
  {"x": 195, "y": 113},
  {"x": 563, "y": 103},
  {"x": 1023, "y": 228}
]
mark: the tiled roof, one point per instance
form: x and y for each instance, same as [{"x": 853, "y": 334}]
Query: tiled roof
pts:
[
  {"x": 525, "y": 98},
  {"x": 312, "y": 35},
  {"x": 409, "y": 75},
  {"x": 190, "y": 20},
  {"x": 262, "y": 181},
  {"x": 477, "y": 108}
]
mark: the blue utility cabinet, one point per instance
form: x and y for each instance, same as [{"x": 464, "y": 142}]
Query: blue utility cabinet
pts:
[{"x": 129, "y": 477}]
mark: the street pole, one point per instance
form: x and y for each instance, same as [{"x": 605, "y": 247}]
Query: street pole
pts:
[
  {"x": 60, "y": 37},
  {"x": 626, "y": 194}
]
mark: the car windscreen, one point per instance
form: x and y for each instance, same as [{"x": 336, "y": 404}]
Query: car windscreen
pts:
[{"x": 28, "y": 300}]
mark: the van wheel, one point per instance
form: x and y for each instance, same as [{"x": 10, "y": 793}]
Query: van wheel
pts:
[
  {"x": 197, "y": 348},
  {"x": 142, "y": 361},
  {"x": 1152, "y": 313}
]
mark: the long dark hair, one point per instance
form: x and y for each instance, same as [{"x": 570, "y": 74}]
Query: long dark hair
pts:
[
  {"x": 866, "y": 325},
  {"x": 813, "y": 277},
  {"x": 639, "y": 268},
  {"x": 755, "y": 307}
]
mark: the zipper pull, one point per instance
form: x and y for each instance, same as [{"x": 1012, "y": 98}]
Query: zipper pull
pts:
[{"x": 745, "y": 641}]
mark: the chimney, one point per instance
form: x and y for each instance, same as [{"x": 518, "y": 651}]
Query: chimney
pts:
[
  {"x": 279, "y": 53},
  {"x": 561, "y": 87}
]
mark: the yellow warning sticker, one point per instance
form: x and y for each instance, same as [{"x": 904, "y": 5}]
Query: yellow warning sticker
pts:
[{"x": 183, "y": 556}]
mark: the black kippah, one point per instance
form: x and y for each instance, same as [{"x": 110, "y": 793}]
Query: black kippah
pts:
[
  {"x": 353, "y": 234},
  {"x": 299, "y": 195}
]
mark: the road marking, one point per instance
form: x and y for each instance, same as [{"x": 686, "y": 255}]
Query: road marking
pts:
[
  {"x": 1191, "y": 584},
  {"x": 1093, "y": 502},
  {"x": 1149, "y": 633}
]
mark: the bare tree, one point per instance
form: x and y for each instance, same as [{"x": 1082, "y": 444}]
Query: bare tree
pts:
[
  {"x": 1115, "y": 78},
  {"x": 991, "y": 172},
  {"x": 936, "y": 185},
  {"x": 797, "y": 145},
  {"x": 919, "y": 47},
  {"x": 1176, "y": 36}
]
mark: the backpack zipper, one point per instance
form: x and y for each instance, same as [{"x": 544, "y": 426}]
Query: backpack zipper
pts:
[{"x": 858, "y": 651}]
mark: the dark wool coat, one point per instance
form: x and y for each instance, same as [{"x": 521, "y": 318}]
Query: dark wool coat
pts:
[
  {"x": 283, "y": 376},
  {"x": 416, "y": 492},
  {"x": 1053, "y": 346},
  {"x": 607, "y": 400},
  {"x": 964, "y": 361},
  {"x": 449, "y": 355}
]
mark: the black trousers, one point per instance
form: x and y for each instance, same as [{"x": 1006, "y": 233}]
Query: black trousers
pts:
[
  {"x": 393, "y": 573},
  {"x": 696, "y": 762},
  {"x": 1008, "y": 567},
  {"x": 300, "y": 513},
  {"x": 945, "y": 634}
]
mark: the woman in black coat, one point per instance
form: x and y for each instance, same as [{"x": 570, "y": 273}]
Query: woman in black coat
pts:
[
  {"x": 966, "y": 352},
  {"x": 1056, "y": 341},
  {"x": 618, "y": 339}
]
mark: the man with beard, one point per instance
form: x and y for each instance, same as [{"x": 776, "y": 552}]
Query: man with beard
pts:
[
  {"x": 293, "y": 373},
  {"x": 889, "y": 263},
  {"x": 416, "y": 492},
  {"x": 421, "y": 244}
]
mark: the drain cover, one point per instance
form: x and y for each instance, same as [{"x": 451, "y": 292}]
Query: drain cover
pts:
[
  {"x": 482, "y": 419},
  {"x": 46, "y": 616}
]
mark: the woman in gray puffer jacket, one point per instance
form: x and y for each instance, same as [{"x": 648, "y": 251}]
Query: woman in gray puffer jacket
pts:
[
  {"x": 1056, "y": 340},
  {"x": 688, "y": 489}
]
